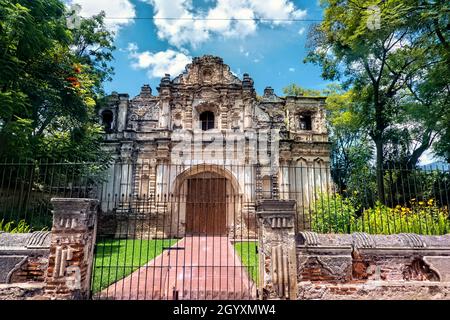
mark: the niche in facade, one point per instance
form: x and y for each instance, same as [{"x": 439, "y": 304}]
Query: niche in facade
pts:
[
  {"x": 107, "y": 120},
  {"x": 267, "y": 187},
  {"x": 305, "y": 122}
]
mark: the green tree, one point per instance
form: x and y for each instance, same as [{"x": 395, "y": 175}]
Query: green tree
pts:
[
  {"x": 51, "y": 81},
  {"x": 351, "y": 150},
  {"x": 295, "y": 90},
  {"x": 384, "y": 65}
]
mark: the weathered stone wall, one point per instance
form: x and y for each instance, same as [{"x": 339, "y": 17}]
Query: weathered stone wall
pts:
[
  {"x": 53, "y": 264},
  {"x": 363, "y": 266},
  {"x": 23, "y": 257},
  {"x": 71, "y": 248},
  {"x": 22, "y": 291},
  {"x": 374, "y": 290},
  {"x": 157, "y": 136}
]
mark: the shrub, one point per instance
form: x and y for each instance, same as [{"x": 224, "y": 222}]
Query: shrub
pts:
[
  {"x": 421, "y": 218},
  {"x": 335, "y": 214},
  {"x": 22, "y": 227}
]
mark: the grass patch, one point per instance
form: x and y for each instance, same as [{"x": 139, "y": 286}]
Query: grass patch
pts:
[
  {"x": 116, "y": 258},
  {"x": 247, "y": 252}
]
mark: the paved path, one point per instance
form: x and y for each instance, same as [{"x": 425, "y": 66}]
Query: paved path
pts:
[{"x": 195, "y": 268}]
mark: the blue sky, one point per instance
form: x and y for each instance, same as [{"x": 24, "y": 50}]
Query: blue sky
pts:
[{"x": 272, "y": 52}]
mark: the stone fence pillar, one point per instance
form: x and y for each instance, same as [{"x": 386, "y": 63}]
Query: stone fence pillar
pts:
[
  {"x": 277, "y": 250},
  {"x": 71, "y": 248}
]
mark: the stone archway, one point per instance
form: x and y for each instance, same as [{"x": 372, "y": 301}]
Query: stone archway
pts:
[{"x": 208, "y": 201}]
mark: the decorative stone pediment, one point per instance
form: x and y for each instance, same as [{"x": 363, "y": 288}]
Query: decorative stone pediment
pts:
[{"x": 207, "y": 70}]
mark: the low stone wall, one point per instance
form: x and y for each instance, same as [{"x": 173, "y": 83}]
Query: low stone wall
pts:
[
  {"x": 55, "y": 264},
  {"x": 363, "y": 266},
  {"x": 24, "y": 257},
  {"x": 374, "y": 290},
  {"x": 22, "y": 291}
]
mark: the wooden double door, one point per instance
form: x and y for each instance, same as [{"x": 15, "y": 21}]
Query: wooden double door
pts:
[{"x": 206, "y": 207}]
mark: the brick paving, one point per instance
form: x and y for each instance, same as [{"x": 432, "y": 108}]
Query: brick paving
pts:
[{"x": 195, "y": 268}]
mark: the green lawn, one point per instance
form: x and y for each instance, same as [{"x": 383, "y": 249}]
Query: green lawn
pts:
[
  {"x": 249, "y": 257},
  {"x": 116, "y": 259}
]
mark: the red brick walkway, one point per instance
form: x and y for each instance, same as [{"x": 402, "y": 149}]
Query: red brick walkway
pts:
[{"x": 196, "y": 267}]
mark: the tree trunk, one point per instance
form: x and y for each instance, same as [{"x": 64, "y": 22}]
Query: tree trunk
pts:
[{"x": 379, "y": 169}]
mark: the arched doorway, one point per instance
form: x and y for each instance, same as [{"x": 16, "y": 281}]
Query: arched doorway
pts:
[
  {"x": 206, "y": 204},
  {"x": 208, "y": 201}
]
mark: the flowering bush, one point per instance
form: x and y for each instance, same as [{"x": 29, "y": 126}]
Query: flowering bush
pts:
[
  {"x": 421, "y": 218},
  {"x": 338, "y": 215}
]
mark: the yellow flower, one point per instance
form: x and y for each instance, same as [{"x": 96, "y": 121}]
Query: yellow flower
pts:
[
  {"x": 421, "y": 202},
  {"x": 430, "y": 202}
]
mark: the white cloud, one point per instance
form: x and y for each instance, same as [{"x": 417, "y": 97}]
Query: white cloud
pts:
[
  {"x": 159, "y": 63},
  {"x": 301, "y": 31},
  {"x": 112, "y": 8},
  {"x": 277, "y": 9},
  {"x": 291, "y": 69},
  {"x": 227, "y": 18}
]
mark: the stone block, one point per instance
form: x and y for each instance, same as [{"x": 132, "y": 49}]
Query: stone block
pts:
[{"x": 23, "y": 256}]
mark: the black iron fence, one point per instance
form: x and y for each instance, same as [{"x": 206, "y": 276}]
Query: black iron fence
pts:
[
  {"x": 27, "y": 187},
  {"x": 198, "y": 220},
  {"x": 414, "y": 200}
]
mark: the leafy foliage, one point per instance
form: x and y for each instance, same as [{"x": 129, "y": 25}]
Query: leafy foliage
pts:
[
  {"x": 399, "y": 72},
  {"x": 336, "y": 214},
  {"x": 421, "y": 218},
  {"x": 22, "y": 226},
  {"x": 333, "y": 214},
  {"x": 295, "y": 90},
  {"x": 51, "y": 80}
]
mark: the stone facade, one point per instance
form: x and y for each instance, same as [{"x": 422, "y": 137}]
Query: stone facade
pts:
[{"x": 208, "y": 121}]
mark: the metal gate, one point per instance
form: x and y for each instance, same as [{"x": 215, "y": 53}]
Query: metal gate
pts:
[{"x": 177, "y": 232}]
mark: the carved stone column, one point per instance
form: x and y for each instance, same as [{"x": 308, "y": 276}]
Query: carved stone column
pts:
[
  {"x": 277, "y": 252},
  {"x": 71, "y": 248},
  {"x": 122, "y": 112}
]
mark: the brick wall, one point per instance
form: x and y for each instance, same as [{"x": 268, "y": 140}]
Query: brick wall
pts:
[
  {"x": 362, "y": 266},
  {"x": 33, "y": 270}
]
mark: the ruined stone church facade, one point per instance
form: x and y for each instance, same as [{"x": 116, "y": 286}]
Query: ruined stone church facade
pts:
[{"x": 208, "y": 125}]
